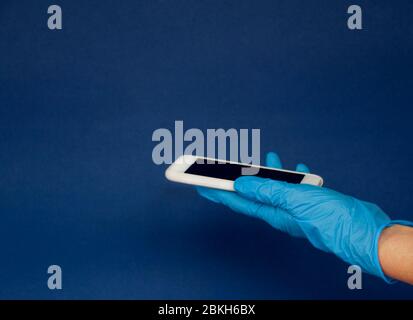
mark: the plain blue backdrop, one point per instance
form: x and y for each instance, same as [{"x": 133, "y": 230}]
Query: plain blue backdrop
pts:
[{"x": 78, "y": 106}]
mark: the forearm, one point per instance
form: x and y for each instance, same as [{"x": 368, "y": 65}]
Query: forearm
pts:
[{"x": 396, "y": 252}]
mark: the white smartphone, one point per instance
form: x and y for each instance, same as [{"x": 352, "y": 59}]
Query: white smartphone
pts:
[{"x": 221, "y": 174}]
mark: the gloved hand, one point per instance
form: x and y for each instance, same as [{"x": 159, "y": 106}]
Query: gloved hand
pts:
[
  {"x": 275, "y": 216},
  {"x": 331, "y": 221}
]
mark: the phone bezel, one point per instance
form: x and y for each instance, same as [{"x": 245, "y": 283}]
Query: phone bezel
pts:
[{"x": 176, "y": 173}]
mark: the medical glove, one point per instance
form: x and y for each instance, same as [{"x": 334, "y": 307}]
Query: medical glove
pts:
[{"x": 331, "y": 221}]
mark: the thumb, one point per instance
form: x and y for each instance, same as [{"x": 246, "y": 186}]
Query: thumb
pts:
[{"x": 271, "y": 192}]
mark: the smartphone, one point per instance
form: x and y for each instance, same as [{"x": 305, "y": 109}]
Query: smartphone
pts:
[{"x": 221, "y": 174}]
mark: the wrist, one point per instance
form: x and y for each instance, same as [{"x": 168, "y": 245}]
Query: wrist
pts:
[
  {"x": 386, "y": 242},
  {"x": 390, "y": 248}
]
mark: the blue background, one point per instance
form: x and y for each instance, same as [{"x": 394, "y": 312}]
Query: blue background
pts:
[{"x": 78, "y": 187}]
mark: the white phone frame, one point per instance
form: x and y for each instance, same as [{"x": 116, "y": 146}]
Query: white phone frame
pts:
[{"x": 176, "y": 173}]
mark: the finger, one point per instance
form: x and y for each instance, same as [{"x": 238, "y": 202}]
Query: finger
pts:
[
  {"x": 276, "y": 217},
  {"x": 231, "y": 200},
  {"x": 273, "y": 160},
  {"x": 301, "y": 167},
  {"x": 209, "y": 194},
  {"x": 287, "y": 196}
]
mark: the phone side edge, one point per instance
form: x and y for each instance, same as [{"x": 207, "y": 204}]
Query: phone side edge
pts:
[{"x": 312, "y": 179}]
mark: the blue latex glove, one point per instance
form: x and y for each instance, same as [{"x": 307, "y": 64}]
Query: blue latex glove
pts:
[
  {"x": 331, "y": 221},
  {"x": 277, "y": 217}
]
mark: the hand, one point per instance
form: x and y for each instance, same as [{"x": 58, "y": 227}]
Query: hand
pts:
[
  {"x": 275, "y": 216},
  {"x": 331, "y": 221}
]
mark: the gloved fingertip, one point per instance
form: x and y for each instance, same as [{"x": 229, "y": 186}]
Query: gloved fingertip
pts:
[
  {"x": 207, "y": 193},
  {"x": 273, "y": 160},
  {"x": 301, "y": 167},
  {"x": 201, "y": 190}
]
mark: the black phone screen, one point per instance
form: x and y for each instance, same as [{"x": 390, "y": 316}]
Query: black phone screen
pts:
[{"x": 230, "y": 171}]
